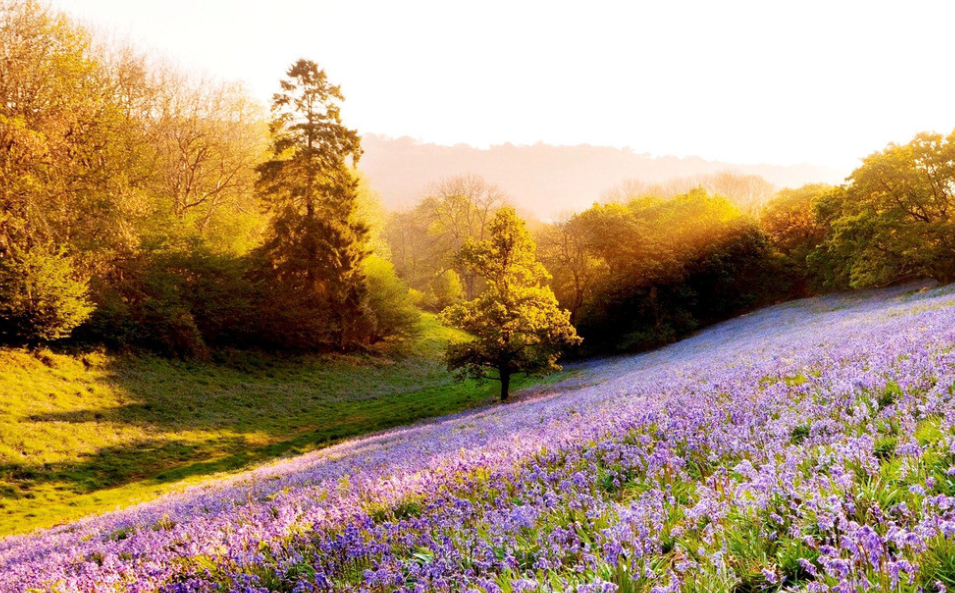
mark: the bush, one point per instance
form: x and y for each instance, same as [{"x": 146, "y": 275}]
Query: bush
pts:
[
  {"x": 40, "y": 297},
  {"x": 445, "y": 290},
  {"x": 293, "y": 321},
  {"x": 185, "y": 300},
  {"x": 389, "y": 301},
  {"x": 176, "y": 302}
]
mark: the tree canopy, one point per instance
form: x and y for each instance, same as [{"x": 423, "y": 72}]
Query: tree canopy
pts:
[
  {"x": 517, "y": 325},
  {"x": 894, "y": 219},
  {"x": 645, "y": 272}
]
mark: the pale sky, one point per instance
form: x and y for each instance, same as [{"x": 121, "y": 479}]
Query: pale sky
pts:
[{"x": 823, "y": 82}]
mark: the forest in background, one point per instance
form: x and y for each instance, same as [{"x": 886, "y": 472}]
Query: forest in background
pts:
[
  {"x": 141, "y": 207},
  {"x": 548, "y": 181}
]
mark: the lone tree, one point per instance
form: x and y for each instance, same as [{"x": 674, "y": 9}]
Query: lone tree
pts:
[
  {"x": 316, "y": 243},
  {"x": 516, "y": 322}
]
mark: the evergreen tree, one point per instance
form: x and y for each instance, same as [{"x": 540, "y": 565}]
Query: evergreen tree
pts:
[
  {"x": 516, "y": 322},
  {"x": 316, "y": 244}
]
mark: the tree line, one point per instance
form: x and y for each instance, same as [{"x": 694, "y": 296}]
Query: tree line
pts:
[
  {"x": 653, "y": 263},
  {"x": 141, "y": 207},
  {"x": 144, "y": 208}
]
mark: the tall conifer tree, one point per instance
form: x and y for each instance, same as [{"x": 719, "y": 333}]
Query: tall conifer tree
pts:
[{"x": 316, "y": 244}]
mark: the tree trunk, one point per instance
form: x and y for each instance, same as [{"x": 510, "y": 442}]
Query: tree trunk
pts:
[{"x": 505, "y": 384}]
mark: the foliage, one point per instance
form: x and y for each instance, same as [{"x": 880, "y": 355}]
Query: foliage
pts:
[
  {"x": 316, "y": 245},
  {"x": 893, "y": 220},
  {"x": 61, "y": 178},
  {"x": 201, "y": 225},
  {"x": 790, "y": 223},
  {"x": 208, "y": 140},
  {"x": 516, "y": 322},
  {"x": 789, "y": 219},
  {"x": 40, "y": 297},
  {"x": 425, "y": 240},
  {"x": 648, "y": 272},
  {"x": 198, "y": 232},
  {"x": 112, "y": 160},
  {"x": 178, "y": 301},
  {"x": 566, "y": 248},
  {"x": 389, "y": 302},
  {"x": 444, "y": 290}
]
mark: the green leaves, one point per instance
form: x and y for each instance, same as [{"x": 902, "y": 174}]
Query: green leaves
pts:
[
  {"x": 40, "y": 297},
  {"x": 893, "y": 221},
  {"x": 517, "y": 323}
]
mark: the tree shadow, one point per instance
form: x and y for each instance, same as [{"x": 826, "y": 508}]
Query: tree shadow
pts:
[
  {"x": 145, "y": 460},
  {"x": 235, "y": 418},
  {"x": 158, "y": 462},
  {"x": 270, "y": 398}
]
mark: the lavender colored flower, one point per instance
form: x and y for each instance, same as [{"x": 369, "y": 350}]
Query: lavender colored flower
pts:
[{"x": 765, "y": 430}]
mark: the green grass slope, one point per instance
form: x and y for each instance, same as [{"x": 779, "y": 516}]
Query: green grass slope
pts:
[{"x": 87, "y": 434}]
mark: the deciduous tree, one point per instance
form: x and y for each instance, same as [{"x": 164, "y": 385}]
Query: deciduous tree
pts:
[
  {"x": 425, "y": 240},
  {"x": 516, "y": 322},
  {"x": 789, "y": 221},
  {"x": 894, "y": 219},
  {"x": 40, "y": 298}
]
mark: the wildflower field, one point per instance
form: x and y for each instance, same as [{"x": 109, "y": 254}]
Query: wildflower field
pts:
[
  {"x": 805, "y": 447},
  {"x": 82, "y": 434}
]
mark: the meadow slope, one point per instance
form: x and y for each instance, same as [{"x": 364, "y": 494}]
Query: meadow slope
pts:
[
  {"x": 89, "y": 433},
  {"x": 808, "y": 446}
]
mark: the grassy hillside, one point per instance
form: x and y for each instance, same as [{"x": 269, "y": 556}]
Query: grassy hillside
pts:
[
  {"x": 87, "y": 434},
  {"x": 803, "y": 447}
]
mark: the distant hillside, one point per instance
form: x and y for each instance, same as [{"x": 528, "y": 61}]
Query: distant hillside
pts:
[{"x": 545, "y": 179}]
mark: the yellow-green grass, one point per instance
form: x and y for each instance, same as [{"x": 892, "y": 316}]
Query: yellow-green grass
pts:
[{"x": 89, "y": 433}]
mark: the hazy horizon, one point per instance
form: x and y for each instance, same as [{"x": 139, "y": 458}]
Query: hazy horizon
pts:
[
  {"x": 739, "y": 82},
  {"x": 627, "y": 149},
  {"x": 545, "y": 179}
]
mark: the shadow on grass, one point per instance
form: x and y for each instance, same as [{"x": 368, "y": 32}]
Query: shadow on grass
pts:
[
  {"x": 271, "y": 397},
  {"x": 110, "y": 467},
  {"x": 294, "y": 425},
  {"x": 156, "y": 461}
]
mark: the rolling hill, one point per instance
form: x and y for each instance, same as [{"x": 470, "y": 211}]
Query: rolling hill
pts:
[
  {"x": 543, "y": 179},
  {"x": 807, "y": 446}
]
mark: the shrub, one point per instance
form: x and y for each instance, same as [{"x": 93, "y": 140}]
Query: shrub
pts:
[
  {"x": 445, "y": 290},
  {"x": 176, "y": 302},
  {"x": 40, "y": 297},
  {"x": 389, "y": 301}
]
